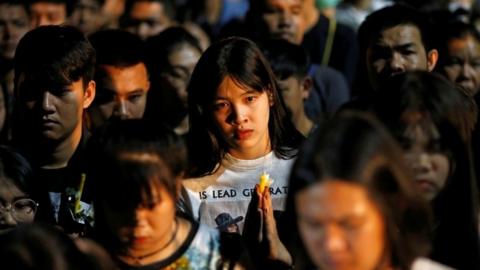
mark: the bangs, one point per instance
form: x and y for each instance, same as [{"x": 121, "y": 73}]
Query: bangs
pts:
[
  {"x": 138, "y": 177},
  {"x": 247, "y": 66}
]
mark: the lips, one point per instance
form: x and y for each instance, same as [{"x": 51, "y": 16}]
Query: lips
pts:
[
  {"x": 284, "y": 35},
  {"x": 336, "y": 262},
  {"x": 139, "y": 240},
  {"x": 48, "y": 122},
  {"x": 425, "y": 185},
  {"x": 243, "y": 134}
]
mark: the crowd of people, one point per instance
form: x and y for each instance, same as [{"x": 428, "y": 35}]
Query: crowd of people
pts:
[{"x": 240, "y": 134}]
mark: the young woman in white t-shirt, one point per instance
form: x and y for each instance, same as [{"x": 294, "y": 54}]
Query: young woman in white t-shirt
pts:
[{"x": 239, "y": 131}]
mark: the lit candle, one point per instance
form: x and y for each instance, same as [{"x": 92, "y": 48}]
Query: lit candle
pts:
[{"x": 265, "y": 181}]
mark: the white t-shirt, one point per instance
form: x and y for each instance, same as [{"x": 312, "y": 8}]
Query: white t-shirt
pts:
[
  {"x": 221, "y": 200},
  {"x": 422, "y": 263}
]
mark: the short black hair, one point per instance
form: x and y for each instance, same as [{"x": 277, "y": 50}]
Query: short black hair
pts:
[
  {"x": 118, "y": 48},
  {"x": 390, "y": 17},
  {"x": 286, "y": 59},
  {"x": 16, "y": 169},
  {"x": 54, "y": 55}
]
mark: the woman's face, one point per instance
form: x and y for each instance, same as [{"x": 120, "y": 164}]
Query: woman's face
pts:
[
  {"x": 463, "y": 63},
  {"x": 145, "y": 228},
  {"x": 341, "y": 227},
  {"x": 426, "y": 158},
  {"x": 242, "y": 115},
  {"x": 15, "y": 205}
]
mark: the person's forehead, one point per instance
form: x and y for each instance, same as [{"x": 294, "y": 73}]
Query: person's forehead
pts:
[
  {"x": 289, "y": 81},
  {"x": 283, "y": 3},
  {"x": 124, "y": 80},
  {"x": 89, "y": 3},
  {"x": 48, "y": 6},
  {"x": 467, "y": 42},
  {"x": 12, "y": 11},
  {"x": 399, "y": 35},
  {"x": 147, "y": 7}
]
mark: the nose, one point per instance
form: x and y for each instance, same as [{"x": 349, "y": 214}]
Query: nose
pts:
[
  {"x": 467, "y": 71},
  {"x": 6, "y": 220},
  {"x": 140, "y": 217},
  {"x": 285, "y": 19},
  {"x": 397, "y": 63},
  {"x": 143, "y": 31},
  {"x": 420, "y": 162},
  {"x": 121, "y": 110},
  {"x": 41, "y": 20},
  {"x": 82, "y": 15},
  {"x": 237, "y": 116},
  {"x": 47, "y": 102},
  {"x": 334, "y": 240}
]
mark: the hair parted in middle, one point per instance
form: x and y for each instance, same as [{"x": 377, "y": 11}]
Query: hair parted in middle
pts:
[{"x": 242, "y": 61}]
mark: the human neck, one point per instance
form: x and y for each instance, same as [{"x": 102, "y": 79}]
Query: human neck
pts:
[
  {"x": 303, "y": 124},
  {"x": 249, "y": 154},
  {"x": 62, "y": 152}
]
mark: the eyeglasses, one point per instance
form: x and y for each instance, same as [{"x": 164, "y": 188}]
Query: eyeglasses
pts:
[{"x": 22, "y": 210}]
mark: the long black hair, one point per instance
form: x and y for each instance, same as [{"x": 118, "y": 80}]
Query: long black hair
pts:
[
  {"x": 242, "y": 60},
  {"x": 354, "y": 147},
  {"x": 438, "y": 102}
]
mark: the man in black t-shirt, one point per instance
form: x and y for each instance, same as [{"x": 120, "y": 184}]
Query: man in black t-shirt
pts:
[{"x": 53, "y": 86}]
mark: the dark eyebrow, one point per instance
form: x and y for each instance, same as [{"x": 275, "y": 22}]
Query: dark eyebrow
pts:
[
  {"x": 379, "y": 46},
  {"x": 405, "y": 46},
  {"x": 14, "y": 199},
  {"x": 249, "y": 92},
  {"x": 20, "y": 197},
  {"x": 136, "y": 92}
]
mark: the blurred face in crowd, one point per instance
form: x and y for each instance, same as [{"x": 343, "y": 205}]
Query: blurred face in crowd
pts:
[
  {"x": 47, "y": 13},
  {"x": 15, "y": 206},
  {"x": 341, "y": 227},
  {"x": 176, "y": 76},
  {"x": 283, "y": 19},
  {"x": 122, "y": 93},
  {"x": 294, "y": 91},
  {"x": 426, "y": 158},
  {"x": 14, "y": 23},
  {"x": 55, "y": 111},
  {"x": 147, "y": 227},
  {"x": 87, "y": 16},
  {"x": 463, "y": 63},
  {"x": 147, "y": 18},
  {"x": 396, "y": 50}
]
